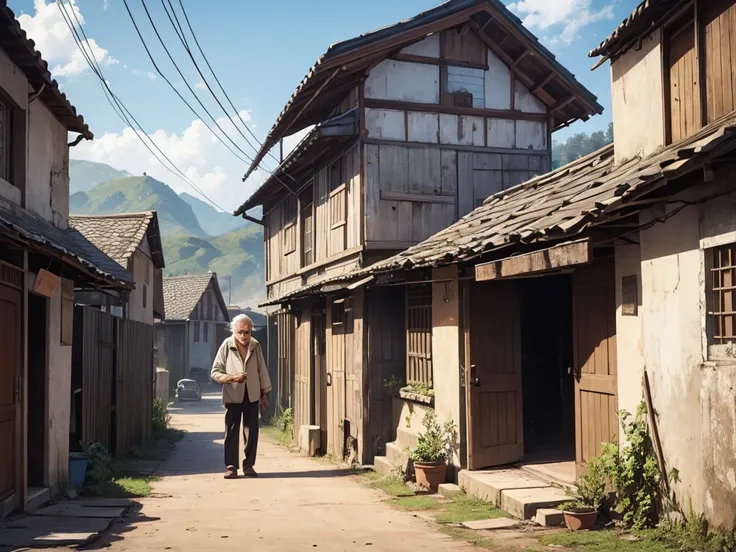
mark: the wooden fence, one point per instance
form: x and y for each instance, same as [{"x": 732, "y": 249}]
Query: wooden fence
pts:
[{"x": 113, "y": 377}]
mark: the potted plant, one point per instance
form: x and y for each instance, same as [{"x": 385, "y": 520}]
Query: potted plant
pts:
[
  {"x": 588, "y": 495},
  {"x": 433, "y": 448}
]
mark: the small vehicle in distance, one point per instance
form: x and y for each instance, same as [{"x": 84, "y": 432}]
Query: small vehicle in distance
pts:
[{"x": 188, "y": 389}]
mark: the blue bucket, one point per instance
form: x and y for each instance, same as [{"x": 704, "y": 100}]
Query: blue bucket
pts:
[{"x": 77, "y": 469}]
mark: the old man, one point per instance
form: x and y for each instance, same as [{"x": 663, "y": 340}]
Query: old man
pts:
[{"x": 241, "y": 369}]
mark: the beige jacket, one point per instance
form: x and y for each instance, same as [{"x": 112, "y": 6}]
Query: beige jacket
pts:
[{"x": 228, "y": 362}]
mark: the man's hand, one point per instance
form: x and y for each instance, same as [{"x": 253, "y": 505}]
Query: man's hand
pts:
[{"x": 264, "y": 402}]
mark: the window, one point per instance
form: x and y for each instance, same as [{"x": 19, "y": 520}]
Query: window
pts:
[
  {"x": 419, "y": 334},
  {"x": 145, "y": 296},
  {"x": 290, "y": 208},
  {"x": 338, "y": 195},
  {"x": 721, "y": 298},
  {"x": 205, "y": 332},
  {"x": 465, "y": 87},
  {"x": 6, "y": 116},
  {"x": 306, "y": 203},
  {"x": 195, "y": 331}
]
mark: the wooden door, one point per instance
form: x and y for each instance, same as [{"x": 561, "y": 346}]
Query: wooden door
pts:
[
  {"x": 336, "y": 378},
  {"x": 10, "y": 366},
  {"x": 302, "y": 370},
  {"x": 596, "y": 381},
  {"x": 319, "y": 375},
  {"x": 493, "y": 376}
]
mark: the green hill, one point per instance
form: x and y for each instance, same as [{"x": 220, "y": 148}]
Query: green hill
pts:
[
  {"x": 213, "y": 222},
  {"x": 237, "y": 254},
  {"x": 85, "y": 175},
  {"x": 139, "y": 193}
]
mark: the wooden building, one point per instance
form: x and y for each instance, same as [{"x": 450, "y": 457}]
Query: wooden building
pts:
[
  {"x": 194, "y": 326},
  {"x": 606, "y": 283},
  {"x": 414, "y": 126}
]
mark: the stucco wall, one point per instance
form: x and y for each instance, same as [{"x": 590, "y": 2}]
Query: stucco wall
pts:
[
  {"x": 47, "y": 182},
  {"x": 142, "y": 267},
  {"x": 637, "y": 100},
  {"x": 694, "y": 399},
  {"x": 446, "y": 348},
  {"x": 15, "y": 86},
  {"x": 201, "y": 354}
]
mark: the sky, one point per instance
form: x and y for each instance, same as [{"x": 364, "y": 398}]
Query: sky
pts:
[{"x": 260, "y": 51}]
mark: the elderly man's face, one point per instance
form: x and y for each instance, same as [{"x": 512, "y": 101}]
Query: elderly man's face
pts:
[{"x": 242, "y": 332}]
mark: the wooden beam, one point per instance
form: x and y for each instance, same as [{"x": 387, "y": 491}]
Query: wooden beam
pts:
[
  {"x": 456, "y": 147},
  {"x": 561, "y": 256},
  {"x": 454, "y": 110},
  {"x": 418, "y": 198},
  {"x": 253, "y": 219},
  {"x": 437, "y": 61},
  {"x": 519, "y": 59},
  {"x": 541, "y": 84},
  {"x": 496, "y": 48},
  {"x": 563, "y": 104},
  {"x": 309, "y": 102}
]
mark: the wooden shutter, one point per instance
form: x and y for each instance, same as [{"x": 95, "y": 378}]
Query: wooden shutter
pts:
[
  {"x": 719, "y": 19},
  {"x": 683, "y": 78},
  {"x": 419, "y": 334}
]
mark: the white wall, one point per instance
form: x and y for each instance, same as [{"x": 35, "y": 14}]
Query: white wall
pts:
[
  {"x": 15, "y": 85},
  {"x": 638, "y": 100},
  {"x": 404, "y": 81},
  {"x": 142, "y": 268}
]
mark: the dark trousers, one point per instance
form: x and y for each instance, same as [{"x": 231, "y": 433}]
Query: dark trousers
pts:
[{"x": 248, "y": 411}]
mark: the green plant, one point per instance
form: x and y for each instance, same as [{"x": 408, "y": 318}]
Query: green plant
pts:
[
  {"x": 285, "y": 421},
  {"x": 392, "y": 385},
  {"x": 421, "y": 388},
  {"x": 633, "y": 472},
  {"x": 437, "y": 442},
  {"x": 590, "y": 488},
  {"x": 160, "y": 417},
  {"x": 101, "y": 466}
]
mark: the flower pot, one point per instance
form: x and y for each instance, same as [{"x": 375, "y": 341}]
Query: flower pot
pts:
[
  {"x": 77, "y": 469},
  {"x": 580, "y": 520},
  {"x": 430, "y": 475}
]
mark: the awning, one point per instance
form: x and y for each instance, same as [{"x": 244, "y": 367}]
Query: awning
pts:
[{"x": 334, "y": 284}]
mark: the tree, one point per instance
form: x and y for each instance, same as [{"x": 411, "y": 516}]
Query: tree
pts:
[{"x": 579, "y": 145}]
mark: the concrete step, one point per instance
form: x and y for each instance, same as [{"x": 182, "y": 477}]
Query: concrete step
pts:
[
  {"x": 512, "y": 490},
  {"x": 37, "y": 497},
  {"x": 396, "y": 454},
  {"x": 383, "y": 466},
  {"x": 550, "y": 476},
  {"x": 406, "y": 439}
]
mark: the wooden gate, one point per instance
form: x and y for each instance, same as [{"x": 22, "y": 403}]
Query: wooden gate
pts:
[
  {"x": 596, "y": 380},
  {"x": 11, "y": 282},
  {"x": 319, "y": 376},
  {"x": 337, "y": 327},
  {"x": 493, "y": 390},
  {"x": 285, "y": 322},
  {"x": 302, "y": 371}
]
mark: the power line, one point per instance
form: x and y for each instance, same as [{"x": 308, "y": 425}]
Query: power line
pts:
[
  {"x": 121, "y": 110},
  {"x": 209, "y": 66}
]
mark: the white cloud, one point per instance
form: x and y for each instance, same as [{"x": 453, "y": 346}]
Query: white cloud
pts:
[
  {"x": 200, "y": 85},
  {"x": 55, "y": 41},
  {"x": 196, "y": 152},
  {"x": 567, "y": 15}
]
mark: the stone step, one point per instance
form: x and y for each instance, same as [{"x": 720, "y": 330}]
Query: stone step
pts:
[
  {"x": 406, "y": 439},
  {"x": 512, "y": 490},
  {"x": 383, "y": 466},
  {"x": 396, "y": 454},
  {"x": 450, "y": 490}
]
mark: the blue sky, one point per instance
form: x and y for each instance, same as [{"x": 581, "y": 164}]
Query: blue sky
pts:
[{"x": 260, "y": 51}]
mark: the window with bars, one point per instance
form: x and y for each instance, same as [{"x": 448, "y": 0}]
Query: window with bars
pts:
[
  {"x": 195, "y": 331},
  {"x": 306, "y": 202},
  {"x": 722, "y": 297},
  {"x": 290, "y": 209},
  {"x": 419, "y": 334},
  {"x": 338, "y": 195}
]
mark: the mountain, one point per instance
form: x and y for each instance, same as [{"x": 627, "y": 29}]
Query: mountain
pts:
[
  {"x": 213, "y": 222},
  {"x": 139, "y": 193},
  {"x": 238, "y": 254},
  {"x": 85, "y": 175}
]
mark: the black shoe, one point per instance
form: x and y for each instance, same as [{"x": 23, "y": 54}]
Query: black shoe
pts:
[{"x": 249, "y": 472}]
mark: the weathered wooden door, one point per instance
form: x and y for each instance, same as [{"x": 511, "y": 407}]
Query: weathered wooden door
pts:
[
  {"x": 493, "y": 374},
  {"x": 338, "y": 326},
  {"x": 302, "y": 369},
  {"x": 10, "y": 365},
  {"x": 319, "y": 374},
  {"x": 596, "y": 380}
]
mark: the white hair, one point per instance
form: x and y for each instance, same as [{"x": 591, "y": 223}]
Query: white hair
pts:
[{"x": 240, "y": 318}]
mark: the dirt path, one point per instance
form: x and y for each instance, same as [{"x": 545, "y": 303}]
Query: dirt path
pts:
[{"x": 296, "y": 504}]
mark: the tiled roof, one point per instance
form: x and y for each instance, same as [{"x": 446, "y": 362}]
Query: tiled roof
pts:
[
  {"x": 36, "y": 231},
  {"x": 22, "y": 50},
  {"x": 645, "y": 17},
  {"x": 553, "y": 206},
  {"x": 182, "y": 293},
  {"x": 307, "y": 104},
  {"x": 117, "y": 235}
]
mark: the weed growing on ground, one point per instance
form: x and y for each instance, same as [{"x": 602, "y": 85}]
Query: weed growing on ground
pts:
[
  {"x": 160, "y": 418},
  {"x": 392, "y": 486},
  {"x": 608, "y": 541},
  {"x": 280, "y": 428}
]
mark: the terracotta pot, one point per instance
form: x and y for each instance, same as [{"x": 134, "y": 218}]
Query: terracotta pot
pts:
[
  {"x": 580, "y": 521},
  {"x": 430, "y": 475}
]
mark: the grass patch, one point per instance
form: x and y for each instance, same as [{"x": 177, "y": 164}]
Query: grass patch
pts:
[
  {"x": 466, "y": 508},
  {"x": 611, "y": 541},
  {"x": 392, "y": 486},
  {"x": 122, "y": 487},
  {"x": 276, "y": 434},
  {"x": 415, "y": 503},
  {"x": 469, "y": 536},
  {"x": 280, "y": 428}
]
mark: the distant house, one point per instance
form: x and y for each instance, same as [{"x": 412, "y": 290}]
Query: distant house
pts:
[
  {"x": 260, "y": 320},
  {"x": 194, "y": 325},
  {"x": 133, "y": 240}
]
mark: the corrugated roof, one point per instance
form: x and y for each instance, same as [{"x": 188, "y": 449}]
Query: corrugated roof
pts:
[
  {"x": 553, "y": 206},
  {"x": 182, "y": 293},
  {"x": 311, "y": 112},
  {"x": 22, "y": 51},
  {"x": 117, "y": 235},
  {"x": 644, "y": 18},
  {"x": 18, "y": 222}
]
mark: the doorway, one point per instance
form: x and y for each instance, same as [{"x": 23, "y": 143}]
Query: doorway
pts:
[
  {"x": 37, "y": 389},
  {"x": 546, "y": 361}
]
